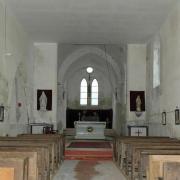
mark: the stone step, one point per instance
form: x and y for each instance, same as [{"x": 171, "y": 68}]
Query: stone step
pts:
[
  {"x": 87, "y": 154},
  {"x": 89, "y": 158},
  {"x": 71, "y": 132}
]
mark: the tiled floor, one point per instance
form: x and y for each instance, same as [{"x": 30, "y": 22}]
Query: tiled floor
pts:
[{"x": 88, "y": 170}]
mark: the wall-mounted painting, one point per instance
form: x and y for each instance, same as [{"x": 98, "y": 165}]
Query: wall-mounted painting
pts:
[
  {"x": 177, "y": 116},
  {"x": 137, "y": 101},
  {"x": 163, "y": 118},
  {"x": 1, "y": 113},
  {"x": 44, "y": 100}
]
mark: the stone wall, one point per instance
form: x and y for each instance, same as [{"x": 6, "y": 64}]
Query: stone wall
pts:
[
  {"x": 45, "y": 78},
  {"x": 166, "y": 96},
  {"x": 136, "y": 79},
  {"x": 16, "y": 82}
]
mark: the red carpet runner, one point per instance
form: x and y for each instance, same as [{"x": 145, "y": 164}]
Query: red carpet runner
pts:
[
  {"x": 90, "y": 145},
  {"x": 84, "y": 150}
]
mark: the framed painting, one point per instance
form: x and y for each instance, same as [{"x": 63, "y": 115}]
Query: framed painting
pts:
[
  {"x": 177, "y": 118},
  {"x": 44, "y": 100},
  {"x": 137, "y": 101},
  {"x": 1, "y": 113},
  {"x": 163, "y": 118}
]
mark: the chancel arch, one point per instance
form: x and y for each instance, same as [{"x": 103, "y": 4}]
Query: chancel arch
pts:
[
  {"x": 74, "y": 56},
  {"x": 108, "y": 72}
]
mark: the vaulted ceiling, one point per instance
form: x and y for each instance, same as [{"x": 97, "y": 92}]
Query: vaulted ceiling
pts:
[{"x": 91, "y": 21}]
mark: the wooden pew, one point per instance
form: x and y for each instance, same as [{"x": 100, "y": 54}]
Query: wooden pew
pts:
[
  {"x": 7, "y": 173},
  {"x": 127, "y": 156},
  {"x": 118, "y": 143},
  {"x": 156, "y": 165},
  {"x": 49, "y": 149},
  {"x": 59, "y": 143},
  {"x": 139, "y": 157},
  {"x": 132, "y": 156},
  {"x": 32, "y": 164},
  {"x": 171, "y": 170},
  {"x": 144, "y": 158},
  {"x": 43, "y": 155},
  {"x": 19, "y": 164},
  {"x": 123, "y": 143},
  {"x": 58, "y": 138},
  {"x": 32, "y": 142}
]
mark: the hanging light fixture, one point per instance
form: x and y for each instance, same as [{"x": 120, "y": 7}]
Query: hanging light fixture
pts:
[{"x": 89, "y": 71}]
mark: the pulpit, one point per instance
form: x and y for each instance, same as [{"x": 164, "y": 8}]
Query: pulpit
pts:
[{"x": 89, "y": 130}]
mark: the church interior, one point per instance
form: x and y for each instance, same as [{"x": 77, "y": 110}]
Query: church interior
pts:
[{"x": 89, "y": 90}]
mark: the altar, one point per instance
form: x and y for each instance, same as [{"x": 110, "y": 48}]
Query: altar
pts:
[{"x": 89, "y": 130}]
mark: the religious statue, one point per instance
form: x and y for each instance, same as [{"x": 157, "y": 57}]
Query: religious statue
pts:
[
  {"x": 43, "y": 102},
  {"x": 138, "y": 104}
]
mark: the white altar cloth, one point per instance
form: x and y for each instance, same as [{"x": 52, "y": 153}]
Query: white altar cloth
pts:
[{"x": 89, "y": 130}]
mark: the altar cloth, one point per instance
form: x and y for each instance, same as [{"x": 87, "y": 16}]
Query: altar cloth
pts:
[{"x": 89, "y": 130}]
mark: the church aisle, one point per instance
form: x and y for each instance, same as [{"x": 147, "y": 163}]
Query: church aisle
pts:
[{"x": 88, "y": 170}]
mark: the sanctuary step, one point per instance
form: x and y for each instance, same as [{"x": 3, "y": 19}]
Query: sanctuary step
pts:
[
  {"x": 71, "y": 132},
  {"x": 88, "y": 150}
]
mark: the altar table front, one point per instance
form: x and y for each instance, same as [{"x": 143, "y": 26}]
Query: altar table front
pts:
[{"x": 89, "y": 130}]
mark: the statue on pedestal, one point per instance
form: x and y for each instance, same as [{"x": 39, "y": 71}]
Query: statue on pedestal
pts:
[
  {"x": 43, "y": 102},
  {"x": 138, "y": 104}
]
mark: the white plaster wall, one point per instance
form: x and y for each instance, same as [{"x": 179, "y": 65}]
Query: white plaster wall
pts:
[
  {"x": 78, "y": 71},
  {"x": 15, "y": 41},
  {"x": 166, "y": 97},
  {"x": 45, "y": 77},
  {"x": 136, "y": 78}
]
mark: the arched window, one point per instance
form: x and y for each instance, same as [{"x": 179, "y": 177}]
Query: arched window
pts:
[
  {"x": 83, "y": 92},
  {"x": 156, "y": 65},
  {"x": 94, "y": 92}
]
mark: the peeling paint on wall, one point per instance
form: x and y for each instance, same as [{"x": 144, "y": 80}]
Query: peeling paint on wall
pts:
[{"x": 21, "y": 99}]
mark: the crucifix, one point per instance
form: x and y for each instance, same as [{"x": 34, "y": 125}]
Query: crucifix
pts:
[{"x": 138, "y": 132}]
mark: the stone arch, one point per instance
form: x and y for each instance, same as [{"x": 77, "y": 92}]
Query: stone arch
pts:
[
  {"x": 119, "y": 70},
  {"x": 117, "y": 67}
]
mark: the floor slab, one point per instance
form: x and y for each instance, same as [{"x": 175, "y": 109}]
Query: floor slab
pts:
[{"x": 88, "y": 170}]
